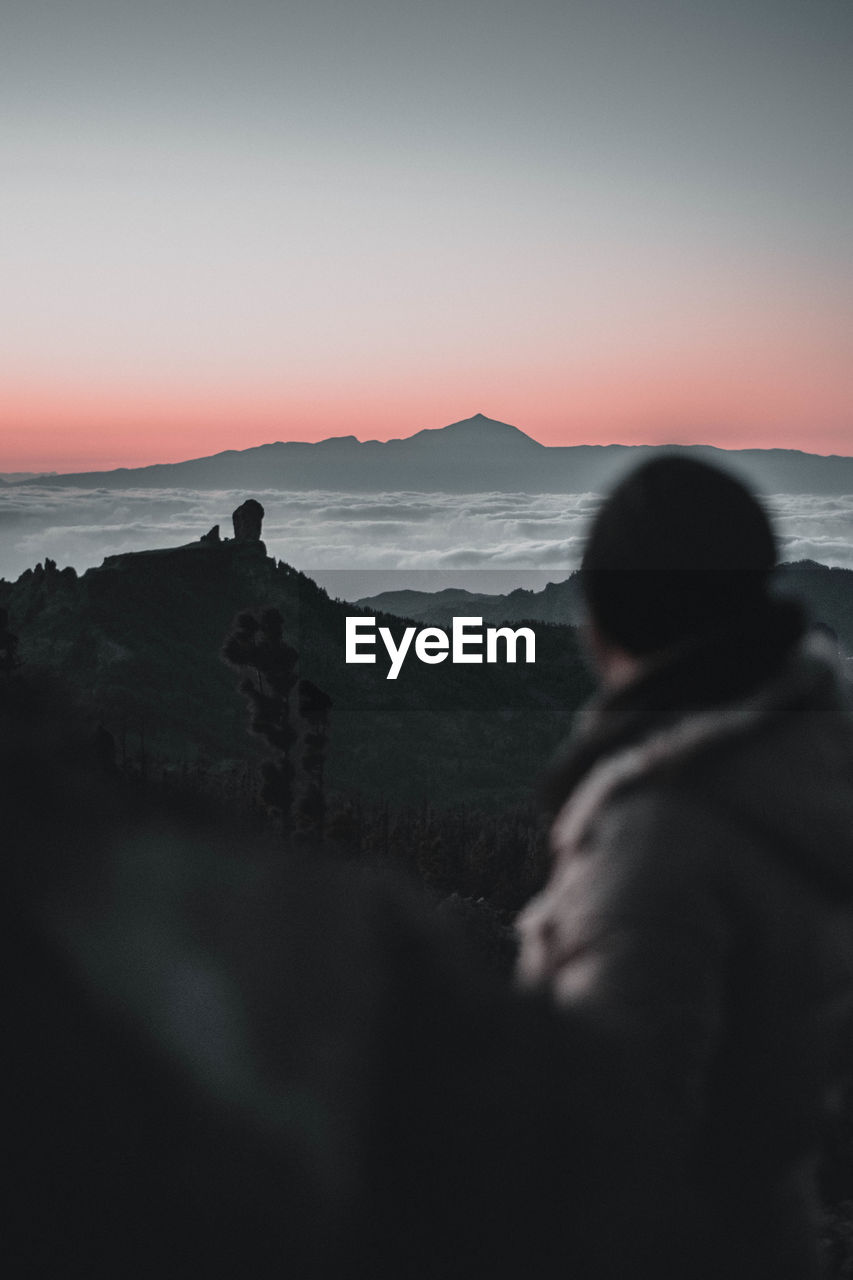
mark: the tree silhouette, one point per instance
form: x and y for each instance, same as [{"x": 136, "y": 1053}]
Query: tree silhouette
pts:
[
  {"x": 314, "y": 706},
  {"x": 258, "y": 645},
  {"x": 9, "y": 659},
  {"x": 295, "y": 795}
]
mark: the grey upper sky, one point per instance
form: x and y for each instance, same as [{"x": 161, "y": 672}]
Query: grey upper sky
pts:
[{"x": 239, "y": 221}]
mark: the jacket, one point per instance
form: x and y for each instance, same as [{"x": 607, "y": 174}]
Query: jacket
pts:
[{"x": 700, "y": 912}]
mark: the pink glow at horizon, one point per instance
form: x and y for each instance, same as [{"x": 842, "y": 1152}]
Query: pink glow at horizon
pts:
[
  {"x": 73, "y": 428},
  {"x": 603, "y": 223}
]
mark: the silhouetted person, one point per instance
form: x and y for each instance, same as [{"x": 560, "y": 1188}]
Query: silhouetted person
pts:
[{"x": 699, "y": 905}]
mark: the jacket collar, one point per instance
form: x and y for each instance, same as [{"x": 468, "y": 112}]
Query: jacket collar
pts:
[{"x": 718, "y": 672}]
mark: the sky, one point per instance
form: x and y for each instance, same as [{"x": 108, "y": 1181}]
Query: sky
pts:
[{"x": 600, "y": 220}]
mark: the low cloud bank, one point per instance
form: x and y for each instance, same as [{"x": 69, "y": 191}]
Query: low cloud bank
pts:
[{"x": 463, "y": 539}]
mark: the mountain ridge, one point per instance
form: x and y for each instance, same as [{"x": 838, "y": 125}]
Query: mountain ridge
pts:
[
  {"x": 476, "y": 454},
  {"x": 138, "y": 639},
  {"x": 825, "y": 591}
]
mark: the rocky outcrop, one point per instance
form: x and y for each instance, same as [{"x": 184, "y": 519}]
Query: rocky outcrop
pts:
[
  {"x": 248, "y": 520},
  {"x": 212, "y": 536}
]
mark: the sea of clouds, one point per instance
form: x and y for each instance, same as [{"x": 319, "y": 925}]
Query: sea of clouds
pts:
[{"x": 358, "y": 544}]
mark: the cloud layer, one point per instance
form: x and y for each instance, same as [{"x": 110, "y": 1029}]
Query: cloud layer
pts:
[{"x": 360, "y": 543}]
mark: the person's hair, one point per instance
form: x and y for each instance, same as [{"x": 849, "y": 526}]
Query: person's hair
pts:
[{"x": 678, "y": 551}]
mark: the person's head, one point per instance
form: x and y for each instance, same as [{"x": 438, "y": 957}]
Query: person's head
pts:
[{"x": 678, "y": 551}]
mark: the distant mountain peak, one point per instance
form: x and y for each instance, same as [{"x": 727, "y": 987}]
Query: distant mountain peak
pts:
[
  {"x": 472, "y": 455},
  {"x": 478, "y": 428},
  {"x": 482, "y": 421}
]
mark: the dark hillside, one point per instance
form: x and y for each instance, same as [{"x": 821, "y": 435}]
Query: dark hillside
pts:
[
  {"x": 141, "y": 637},
  {"x": 827, "y": 594}
]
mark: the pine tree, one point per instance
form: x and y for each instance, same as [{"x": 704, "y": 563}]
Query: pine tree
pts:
[
  {"x": 258, "y": 645},
  {"x": 314, "y": 706},
  {"x": 9, "y": 659},
  {"x": 292, "y": 784}
]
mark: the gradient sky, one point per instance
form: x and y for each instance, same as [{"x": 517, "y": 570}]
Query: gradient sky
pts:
[{"x": 225, "y": 223}]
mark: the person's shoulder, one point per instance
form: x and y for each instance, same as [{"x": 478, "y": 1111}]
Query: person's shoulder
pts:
[
  {"x": 654, "y": 804},
  {"x": 788, "y": 732},
  {"x": 666, "y": 827}
]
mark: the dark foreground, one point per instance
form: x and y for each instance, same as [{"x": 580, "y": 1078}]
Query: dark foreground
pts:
[{"x": 227, "y": 1062}]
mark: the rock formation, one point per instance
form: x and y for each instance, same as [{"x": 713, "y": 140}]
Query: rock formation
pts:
[{"x": 247, "y": 521}]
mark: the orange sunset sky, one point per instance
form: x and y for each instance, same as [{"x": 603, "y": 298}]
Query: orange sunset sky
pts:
[{"x": 622, "y": 222}]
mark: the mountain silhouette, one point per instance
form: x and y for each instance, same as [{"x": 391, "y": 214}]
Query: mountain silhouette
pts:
[
  {"x": 139, "y": 639},
  {"x": 474, "y": 455},
  {"x": 558, "y": 602},
  {"x": 827, "y": 594}
]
